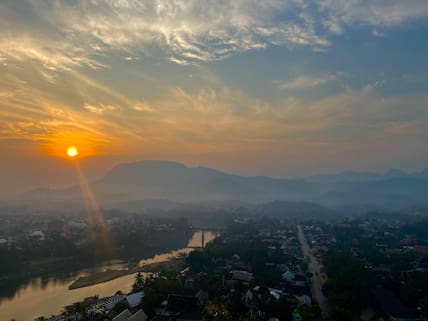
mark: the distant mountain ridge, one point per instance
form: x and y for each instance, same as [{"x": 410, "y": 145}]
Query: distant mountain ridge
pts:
[
  {"x": 175, "y": 181},
  {"x": 354, "y": 175},
  {"x": 166, "y": 181}
]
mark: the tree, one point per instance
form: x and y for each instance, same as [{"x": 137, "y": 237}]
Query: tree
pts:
[
  {"x": 120, "y": 307},
  {"x": 346, "y": 286},
  {"x": 198, "y": 261},
  {"x": 343, "y": 314},
  {"x": 138, "y": 283},
  {"x": 312, "y": 313}
]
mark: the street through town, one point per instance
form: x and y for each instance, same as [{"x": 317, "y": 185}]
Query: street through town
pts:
[{"x": 313, "y": 267}]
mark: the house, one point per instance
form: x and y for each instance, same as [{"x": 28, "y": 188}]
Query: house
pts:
[
  {"x": 304, "y": 300},
  {"x": 299, "y": 279},
  {"x": 138, "y": 316},
  {"x": 123, "y": 316},
  {"x": 105, "y": 304},
  {"x": 390, "y": 252},
  {"x": 189, "y": 283},
  {"x": 37, "y": 235},
  {"x": 64, "y": 317},
  {"x": 242, "y": 276},
  {"x": 134, "y": 299},
  {"x": 275, "y": 293},
  {"x": 423, "y": 264},
  {"x": 248, "y": 298},
  {"x": 203, "y": 297},
  {"x": 128, "y": 316},
  {"x": 297, "y": 289},
  {"x": 180, "y": 308},
  {"x": 288, "y": 276},
  {"x": 240, "y": 265},
  {"x": 421, "y": 249}
]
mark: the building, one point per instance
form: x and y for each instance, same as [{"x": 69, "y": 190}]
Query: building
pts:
[
  {"x": 134, "y": 299},
  {"x": 128, "y": 316},
  {"x": 242, "y": 276}
]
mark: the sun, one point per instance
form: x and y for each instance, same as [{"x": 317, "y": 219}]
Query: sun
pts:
[{"x": 72, "y": 151}]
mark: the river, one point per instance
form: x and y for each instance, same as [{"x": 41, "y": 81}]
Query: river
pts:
[{"x": 45, "y": 298}]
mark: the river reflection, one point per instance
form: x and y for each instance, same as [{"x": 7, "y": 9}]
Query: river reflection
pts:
[{"x": 44, "y": 296}]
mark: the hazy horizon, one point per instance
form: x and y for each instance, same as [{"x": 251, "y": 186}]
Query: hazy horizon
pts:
[{"x": 62, "y": 173}]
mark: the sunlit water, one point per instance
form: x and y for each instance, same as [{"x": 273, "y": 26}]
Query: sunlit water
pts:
[{"x": 37, "y": 299}]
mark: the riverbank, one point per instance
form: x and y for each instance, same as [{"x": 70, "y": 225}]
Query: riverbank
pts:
[
  {"x": 171, "y": 261},
  {"x": 49, "y": 295},
  {"x": 174, "y": 264}
]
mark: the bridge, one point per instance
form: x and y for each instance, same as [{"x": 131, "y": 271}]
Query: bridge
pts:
[
  {"x": 207, "y": 228},
  {"x": 203, "y": 229}
]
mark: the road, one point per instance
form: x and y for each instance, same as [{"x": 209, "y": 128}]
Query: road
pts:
[{"x": 313, "y": 267}]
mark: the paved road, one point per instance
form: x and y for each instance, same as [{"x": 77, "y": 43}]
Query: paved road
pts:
[{"x": 313, "y": 267}]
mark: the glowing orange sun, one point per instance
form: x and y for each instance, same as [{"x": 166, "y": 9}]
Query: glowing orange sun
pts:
[{"x": 72, "y": 151}]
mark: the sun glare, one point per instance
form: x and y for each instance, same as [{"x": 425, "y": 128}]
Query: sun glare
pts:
[{"x": 72, "y": 151}]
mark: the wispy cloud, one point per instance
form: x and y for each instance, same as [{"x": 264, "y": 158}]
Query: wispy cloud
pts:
[
  {"x": 202, "y": 30},
  {"x": 52, "y": 55},
  {"x": 307, "y": 81},
  {"x": 100, "y": 109},
  {"x": 206, "y": 120},
  {"x": 377, "y": 14},
  {"x": 189, "y": 30}
]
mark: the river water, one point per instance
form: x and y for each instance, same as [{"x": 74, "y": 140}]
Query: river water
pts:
[{"x": 45, "y": 298}]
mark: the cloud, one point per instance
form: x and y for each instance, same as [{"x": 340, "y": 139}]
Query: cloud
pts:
[
  {"x": 187, "y": 31},
  {"x": 308, "y": 81},
  {"x": 52, "y": 55},
  {"x": 100, "y": 109},
  {"x": 143, "y": 107},
  {"x": 6, "y": 94},
  {"x": 203, "y": 120},
  {"x": 224, "y": 117},
  {"x": 203, "y": 30},
  {"x": 70, "y": 34},
  {"x": 372, "y": 13}
]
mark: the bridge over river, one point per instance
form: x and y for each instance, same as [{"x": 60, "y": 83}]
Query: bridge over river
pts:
[{"x": 203, "y": 230}]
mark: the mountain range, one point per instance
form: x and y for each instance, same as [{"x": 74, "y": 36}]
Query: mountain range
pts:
[{"x": 167, "y": 184}]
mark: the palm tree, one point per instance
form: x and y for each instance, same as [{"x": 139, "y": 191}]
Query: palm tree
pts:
[{"x": 139, "y": 282}]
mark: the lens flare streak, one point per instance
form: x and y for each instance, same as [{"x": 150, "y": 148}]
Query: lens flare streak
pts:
[{"x": 95, "y": 216}]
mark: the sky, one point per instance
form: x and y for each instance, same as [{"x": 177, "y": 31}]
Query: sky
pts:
[{"x": 281, "y": 88}]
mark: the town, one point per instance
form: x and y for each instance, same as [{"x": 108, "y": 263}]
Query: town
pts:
[{"x": 366, "y": 267}]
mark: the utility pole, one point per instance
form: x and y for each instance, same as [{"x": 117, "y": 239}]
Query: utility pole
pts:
[{"x": 203, "y": 238}]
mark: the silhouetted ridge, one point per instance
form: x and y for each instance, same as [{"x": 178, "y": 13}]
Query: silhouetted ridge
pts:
[{"x": 165, "y": 180}]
